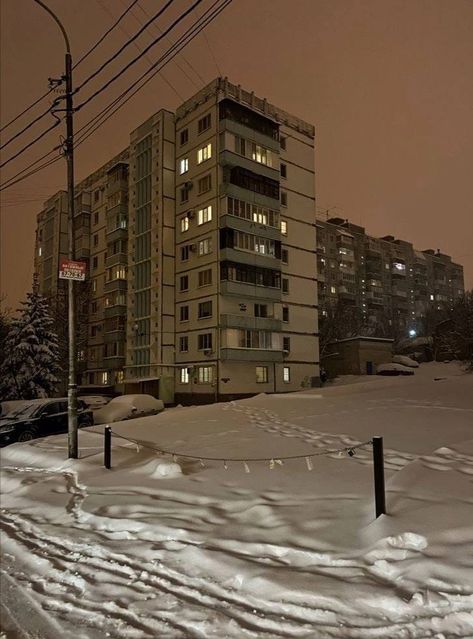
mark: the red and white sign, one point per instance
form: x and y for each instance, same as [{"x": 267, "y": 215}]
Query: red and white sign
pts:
[{"x": 69, "y": 270}]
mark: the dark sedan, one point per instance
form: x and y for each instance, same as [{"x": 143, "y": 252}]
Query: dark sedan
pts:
[{"x": 39, "y": 417}]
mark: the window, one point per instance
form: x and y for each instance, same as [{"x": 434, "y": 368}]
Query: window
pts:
[
  {"x": 96, "y": 217},
  {"x": 283, "y": 227},
  {"x": 184, "y": 137},
  {"x": 119, "y": 377},
  {"x": 184, "y": 283},
  {"x": 283, "y": 170},
  {"x": 96, "y": 196},
  {"x": 248, "y": 338},
  {"x": 261, "y": 374},
  {"x": 183, "y": 344},
  {"x": 205, "y": 246},
  {"x": 252, "y": 212},
  {"x": 283, "y": 198},
  {"x": 204, "y": 215},
  {"x": 117, "y": 272},
  {"x": 95, "y": 261},
  {"x": 205, "y": 309},
  {"x": 184, "y": 376},
  {"x": 204, "y": 123},
  {"x": 184, "y": 253},
  {"x": 205, "y": 153},
  {"x": 284, "y": 256},
  {"x": 333, "y": 290},
  {"x": 205, "y": 342},
  {"x": 184, "y": 224},
  {"x": 261, "y": 310},
  {"x": 94, "y": 286},
  {"x": 40, "y": 251},
  {"x": 184, "y": 194},
  {"x": 286, "y": 374},
  {"x": 283, "y": 142},
  {"x": 96, "y": 239},
  {"x": 285, "y": 314},
  {"x": 205, "y": 277},
  {"x": 94, "y": 330},
  {"x": 183, "y": 166},
  {"x": 104, "y": 377},
  {"x": 184, "y": 313},
  {"x": 204, "y": 184},
  {"x": 204, "y": 374},
  {"x": 286, "y": 344},
  {"x": 246, "y": 242},
  {"x": 285, "y": 285}
]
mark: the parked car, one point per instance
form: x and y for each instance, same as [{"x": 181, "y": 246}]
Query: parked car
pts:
[
  {"x": 405, "y": 361},
  {"x": 394, "y": 369},
  {"x": 39, "y": 417},
  {"x": 128, "y": 407},
  {"x": 95, "y": 401},
  {"x": 7, "y": 406}
]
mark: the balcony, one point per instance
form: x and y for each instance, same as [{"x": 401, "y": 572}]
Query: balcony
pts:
[
  {"x": 250, "y": 134},
  {"x": 251, "y": 354},
  {"x": 248, "y": 226},
  {"x": 116, "y": 309},
  {"x": 229, "y": 158},
  {"x": 114, "y": 336},
  {"x": 115, "y": 362},
  {"x": 243, "y": 289},
  {"x": 118, "y": 258},
  {"x": 250, "y": 322},
  {"x": 240, "y": 193},
  {"x": 115, "y": 285},
  {"x": 399, "y": 293},
  {"x": 250, "y": 258}
]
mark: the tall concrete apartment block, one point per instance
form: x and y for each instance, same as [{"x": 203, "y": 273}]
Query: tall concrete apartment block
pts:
[
  {"x": 246, "y": 295},
  {"x": 386, "y": 278},
  {"x": 201, "y": 245}
]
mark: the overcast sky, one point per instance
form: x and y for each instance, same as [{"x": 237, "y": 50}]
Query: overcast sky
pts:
[{"x": 387, "y": 83}]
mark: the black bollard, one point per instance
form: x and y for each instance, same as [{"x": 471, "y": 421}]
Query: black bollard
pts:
[
  {"x": 378, "y": 465},
  {"x": 107, "y": 447}
]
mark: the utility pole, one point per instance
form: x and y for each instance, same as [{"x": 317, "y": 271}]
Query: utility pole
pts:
[{"x": 71, "y": 311}]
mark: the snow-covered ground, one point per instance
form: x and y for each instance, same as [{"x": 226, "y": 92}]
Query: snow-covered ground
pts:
[{"x": 152, "y": 548}]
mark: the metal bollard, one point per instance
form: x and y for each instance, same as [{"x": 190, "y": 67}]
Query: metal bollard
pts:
[
  {"x": 107, "y": 447},
  {"x": 378, "y": 466}
]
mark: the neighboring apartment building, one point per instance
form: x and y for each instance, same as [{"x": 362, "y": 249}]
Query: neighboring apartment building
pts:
[
  {"x": 390, "y": 281},
  {"x": 201, "y": 243}
]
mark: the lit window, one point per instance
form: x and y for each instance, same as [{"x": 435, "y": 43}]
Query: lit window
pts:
[
  {"x": 286, "y": 374},
  {"x": 204, "y": 215},
  {"x": 204, "y": 374},
  {"x": 183, "y": 166},
  {"x": 283, "y": 227},
  {"x": 261, "y": 374},
  {"x": 119, "y": 377},
  {"x": 40, "y": 251},
  {"x": 184, "y": 376},
  {"x": 104, "y": 377},
  {"x": 333, "y": 290},
  {"x": 205, "y": 153},
  {"x": 184, "y": 224}
]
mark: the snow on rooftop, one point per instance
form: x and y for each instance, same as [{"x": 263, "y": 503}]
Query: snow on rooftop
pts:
[{"x": 157, "y": 547}]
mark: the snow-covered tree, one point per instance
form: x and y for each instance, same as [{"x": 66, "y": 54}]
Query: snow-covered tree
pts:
[{"x": 30, "y": 366}]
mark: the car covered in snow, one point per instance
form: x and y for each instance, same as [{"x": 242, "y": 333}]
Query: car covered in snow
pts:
[
  {"x": 95, "y": 401},
  {"x": 128, "y": 407},
  {"x": 39, "y": 417},
  {"x": 405, "y": 361},
  {"x": 393, "y": 369}
]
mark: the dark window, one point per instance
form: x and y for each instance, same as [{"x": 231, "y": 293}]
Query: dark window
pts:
[
  {"x": 282, "y": 142},
  {"x": 284, "y": 256},
  {"x": 205, "y": 184},
  {"x": 96, "y": 196},
  {"x": 184, "y": 194},
  {"x": 204, "y": 123},
  {"x": 205, "y": 342},
  {"x": 184, "y": 253},
  {"x": 184, "y": 137},
  {"x": 253, "y": 182},
  {"x": 250, "y": 274},
  {"x": 96, "y": 239},
  {"x": 283, "y": 198},
  {"x": 95, "y": 262},
  {"x": 184, "y": 283},
  {"x": 238, "y": 113},
  {"x": 285, "y": 285},
  {"x": 261, "y": 310},
  {"x": 93, "y": 307},
  {"x": 205, "y": 309},
  {"x": 184, "y": 313},
  {"x": 96, "y": 217},
  {"x": 205, "y": 277},
  {"x": 286, "y": 343},
  {"x": 184, "y": 344},
  {"x": 283, "y": 170},
  {"x": 285, "y": 313}
]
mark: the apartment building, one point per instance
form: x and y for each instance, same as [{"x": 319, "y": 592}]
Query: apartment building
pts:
[
  {"x": 246, "y": 295},
  {"x": 201, "y": 245},
  {"x": 393, "y": 284}
]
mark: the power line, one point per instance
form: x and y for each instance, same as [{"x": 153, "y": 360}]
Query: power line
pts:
[
  {"x": 27, "y": 146},
  {"x": 7, "y": 184},
  {"x": 187, "y": 37},
  {"x": 132, "y": 62},
  {"x": 102, "y": 38},
  {"x": 122, "y": 48}
]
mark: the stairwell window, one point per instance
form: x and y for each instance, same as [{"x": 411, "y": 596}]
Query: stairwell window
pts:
[
  {"x": 205, "y": 153},
  {"x": 204, "y": 215}
]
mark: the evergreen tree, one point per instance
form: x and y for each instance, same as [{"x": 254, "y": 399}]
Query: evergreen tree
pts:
[{"x": 30, "y": 366}]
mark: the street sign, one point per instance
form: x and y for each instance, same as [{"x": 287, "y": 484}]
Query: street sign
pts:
[{"x": 70, "y": 270}]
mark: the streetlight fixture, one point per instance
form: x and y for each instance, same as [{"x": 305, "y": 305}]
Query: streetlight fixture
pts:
[{"x": 69, "y": 153}]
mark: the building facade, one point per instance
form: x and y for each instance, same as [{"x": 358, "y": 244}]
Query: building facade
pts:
[
  {"x": 392, "y": 284},
  {"x": 201, "y": 246}
]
